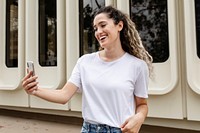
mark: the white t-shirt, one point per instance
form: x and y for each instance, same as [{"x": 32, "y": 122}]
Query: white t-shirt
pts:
[{"x": 108, "y": 88}]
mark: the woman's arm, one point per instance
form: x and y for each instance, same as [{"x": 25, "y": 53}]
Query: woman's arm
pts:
[
  {"x": 61, "y": 96},
  {"x": 133, "y": 124}
]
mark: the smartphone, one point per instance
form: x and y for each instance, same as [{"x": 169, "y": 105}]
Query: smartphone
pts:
[{"x": 30, "y": 66}]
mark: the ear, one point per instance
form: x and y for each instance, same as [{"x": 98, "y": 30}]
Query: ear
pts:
[{"x": 120, "y": 25}]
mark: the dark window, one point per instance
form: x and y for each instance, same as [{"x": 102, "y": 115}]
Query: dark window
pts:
[
  {"x": 150, "y": 17},
  {"x": 87, "y": 8},
  {"x": 12, "y": 33},
  {"x": 47, "y": 33},
  {"x": 197, "y": 12}
]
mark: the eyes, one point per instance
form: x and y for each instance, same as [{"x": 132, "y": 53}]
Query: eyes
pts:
[{"x": 101, "y": 25}]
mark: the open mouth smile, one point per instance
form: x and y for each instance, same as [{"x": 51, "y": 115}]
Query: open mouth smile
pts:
[{"x": 102, "y": 38}]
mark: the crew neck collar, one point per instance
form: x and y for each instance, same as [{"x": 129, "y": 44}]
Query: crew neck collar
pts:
[{"x": 98, "y": 56}]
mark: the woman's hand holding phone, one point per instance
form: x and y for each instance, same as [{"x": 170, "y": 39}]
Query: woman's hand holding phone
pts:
[
  {"x": 30, "y": 67},
  {"x": 29, "y": 82}
]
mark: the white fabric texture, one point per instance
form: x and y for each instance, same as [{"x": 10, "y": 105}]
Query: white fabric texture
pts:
[{"x": 108, "y": 88}]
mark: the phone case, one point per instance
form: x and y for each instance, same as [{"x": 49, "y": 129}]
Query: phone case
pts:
[{"x": 30, "y": 66}]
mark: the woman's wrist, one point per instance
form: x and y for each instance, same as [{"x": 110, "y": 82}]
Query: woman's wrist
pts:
[
  {"x": 140, "y": 116},
  {"x": 35, "y": 92}
]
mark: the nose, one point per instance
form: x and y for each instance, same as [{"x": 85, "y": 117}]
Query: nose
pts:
[{"x": 98, "y": 32}]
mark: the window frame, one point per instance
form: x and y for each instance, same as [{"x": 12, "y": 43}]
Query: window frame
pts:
[
  {"x": 41, "y": 47},
  {"x": 168, "y": 43},
  {"x": 11, "y": 63}
]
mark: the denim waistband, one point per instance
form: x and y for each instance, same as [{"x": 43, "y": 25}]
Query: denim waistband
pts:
[{"x": 99, "y": 128}]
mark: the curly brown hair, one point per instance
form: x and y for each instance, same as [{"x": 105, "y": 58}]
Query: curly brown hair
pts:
[{"x": 129, "y": 36}]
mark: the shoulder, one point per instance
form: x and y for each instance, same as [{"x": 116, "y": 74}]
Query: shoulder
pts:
[
  {"x": 140, "y": 67},
  {"x": 87, "y": 57},
  {"x": 136, "y": 61}
]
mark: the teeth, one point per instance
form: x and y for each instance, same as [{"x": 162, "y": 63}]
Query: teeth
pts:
[{"x": 103, "y": 37}]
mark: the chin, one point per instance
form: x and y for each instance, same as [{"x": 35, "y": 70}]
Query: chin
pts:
[{"x": 103, "y": 45}]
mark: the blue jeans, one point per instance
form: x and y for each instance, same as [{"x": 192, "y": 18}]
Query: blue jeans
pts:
[{"x": 99, "y": 128}]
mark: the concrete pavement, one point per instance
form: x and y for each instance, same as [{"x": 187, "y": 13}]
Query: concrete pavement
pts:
[{"x": 9, "y": 124}]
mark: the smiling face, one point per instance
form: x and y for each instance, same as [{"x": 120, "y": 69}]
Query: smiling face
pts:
[{"x": 106, "y": 32}]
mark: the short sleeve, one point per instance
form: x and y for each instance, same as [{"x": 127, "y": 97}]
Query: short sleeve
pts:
[
  {"x": 75, "y": 77},
  {"x": 141, "y": 85}
]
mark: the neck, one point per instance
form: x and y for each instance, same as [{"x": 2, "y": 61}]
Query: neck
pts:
[{"x": 111, "y": 54}]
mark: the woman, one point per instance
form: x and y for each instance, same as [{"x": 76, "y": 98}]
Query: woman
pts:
[{"x": 113, "y": 80}]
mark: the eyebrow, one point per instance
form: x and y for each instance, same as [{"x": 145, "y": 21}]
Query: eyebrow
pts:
[{"x": 99, "y": 23}]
